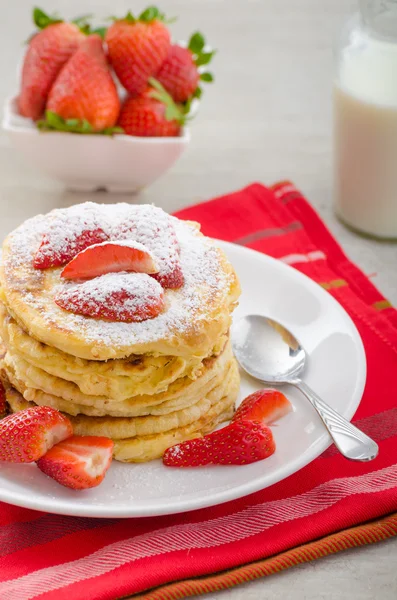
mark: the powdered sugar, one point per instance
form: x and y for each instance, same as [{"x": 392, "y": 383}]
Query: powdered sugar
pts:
[
  {"x": 71, "y": 230},
  {"x": 115, "y": 296},
  {"x": 128, "y": 243},
  {"x": 206, "y": 283},
  {"x": 175, "y": 451}
]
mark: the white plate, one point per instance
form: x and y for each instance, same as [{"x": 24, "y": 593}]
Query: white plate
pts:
[{"x": 336, "y": 370}]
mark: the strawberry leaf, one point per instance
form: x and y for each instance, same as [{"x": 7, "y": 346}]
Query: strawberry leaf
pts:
[
  {"x": 53, "y": 119},
  {"x": 85, "y": 127},
  {"x": 82, "y": 21},
  {"x": 207, "y": 77},
  {"x": 196, "y": 43},
  {"x": 42, "y": 20},
  {"x": 100, "y": 31},
  {"x": 112, "y": 130},
  {"x": 173, "y": 112},
  {"x": 204, "y": 58},
  {"x": 83, "y": 24},
  {"x": 150, "y": 14},
  {"x": 198, "y": 92},
  {"x": 54, "y": 122},
  {"x": 129, "y": 17},
  {"x": 188, "y": 104}
]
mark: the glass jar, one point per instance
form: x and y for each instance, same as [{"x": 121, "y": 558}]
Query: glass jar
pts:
[{"x": 365, "y": 121}]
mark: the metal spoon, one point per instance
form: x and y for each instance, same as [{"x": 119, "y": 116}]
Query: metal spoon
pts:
[{"x": 270, "y": 353}]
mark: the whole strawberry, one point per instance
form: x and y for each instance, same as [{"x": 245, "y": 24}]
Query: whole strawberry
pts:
[
  {"x": 153, "y": 114},
  {"x": 121, "y": 297},
  {"x": 47, "y": 52},
  {"x": 179, "y": 72},
  {"x": 137, "y": 47},
  {"x": 84, "y": 93}
]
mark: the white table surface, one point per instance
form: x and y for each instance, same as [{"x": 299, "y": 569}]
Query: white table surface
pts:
[{"x": 267, "y": 117}]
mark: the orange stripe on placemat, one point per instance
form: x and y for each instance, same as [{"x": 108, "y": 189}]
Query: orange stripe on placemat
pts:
[
  {"x": 286, "y": 191},
  {"x": 336, "y": 283},
  {"x": 382, "y": 304},
  {"x": 361, "y": 535}
]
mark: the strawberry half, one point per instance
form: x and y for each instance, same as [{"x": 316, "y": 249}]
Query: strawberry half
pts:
[
  {"x": 27, "y": 435},
  {"x": 52, "y": 254},
  {"x": 266, "y": 405},
  {"x": 122, "y": 297},
  {"x": 173, "y": 279},
  {"x": 153, "y": 228},
  {"x": 79, "y": 463},
  {"x": 70, "y": 231},
  {"x": 110, "y": 257},
  {"x": 239, "y": 443}
]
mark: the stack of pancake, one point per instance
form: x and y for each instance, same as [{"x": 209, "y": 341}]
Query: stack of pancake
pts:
[{"x": 147, "y": 385}]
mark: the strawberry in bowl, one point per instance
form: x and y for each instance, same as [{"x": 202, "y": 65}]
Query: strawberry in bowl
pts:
[{"x": 106, "y": 108}]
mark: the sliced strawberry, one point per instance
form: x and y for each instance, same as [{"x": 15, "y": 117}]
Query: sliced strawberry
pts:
[
  {"x": 172, "y": 279},
  {"x": 239, "y": 443},
  {"x": 3, "y": 401},
  {"x": 70, "y": 231},
  {"x": 110, "y": 257},
  {"x": 80, "y": 462},
  {"x": 266, "y": 405},
  {"x": 116, "y": 297},
  {"x": 27, "y": 435},
  {"x": 57, "y": 253},
  {"x": 152, "y": 227}
]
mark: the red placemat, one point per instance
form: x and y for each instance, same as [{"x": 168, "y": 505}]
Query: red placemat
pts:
[{"x": 326, "y": 507}]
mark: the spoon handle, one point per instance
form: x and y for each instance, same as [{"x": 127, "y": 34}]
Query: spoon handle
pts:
[{"x": 350, "y": 441}]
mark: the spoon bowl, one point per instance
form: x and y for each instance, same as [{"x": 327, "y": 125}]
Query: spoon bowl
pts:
[{"x": 268, "y": 351}]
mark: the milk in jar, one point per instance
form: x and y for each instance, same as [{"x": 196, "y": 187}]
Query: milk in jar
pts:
[{"x": 365, "y": 121}]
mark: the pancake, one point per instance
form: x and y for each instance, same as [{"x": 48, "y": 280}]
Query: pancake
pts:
[
  {"x": 119, "y": 428},
  {"x": 147, "y": 385},
  {"x": 113, "y": 379},
  {"x": 152, "y": 447},
  {"x": 195, "y": 316},
  {"x": 44, "y": 389},
  {"x": 148, "y": 447}
]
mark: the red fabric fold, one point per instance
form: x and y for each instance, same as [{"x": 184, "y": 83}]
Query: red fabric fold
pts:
[{"x": 53, "y": 557}]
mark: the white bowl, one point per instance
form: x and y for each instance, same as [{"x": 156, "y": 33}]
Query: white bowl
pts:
[{"x": 121, "y": 163}]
